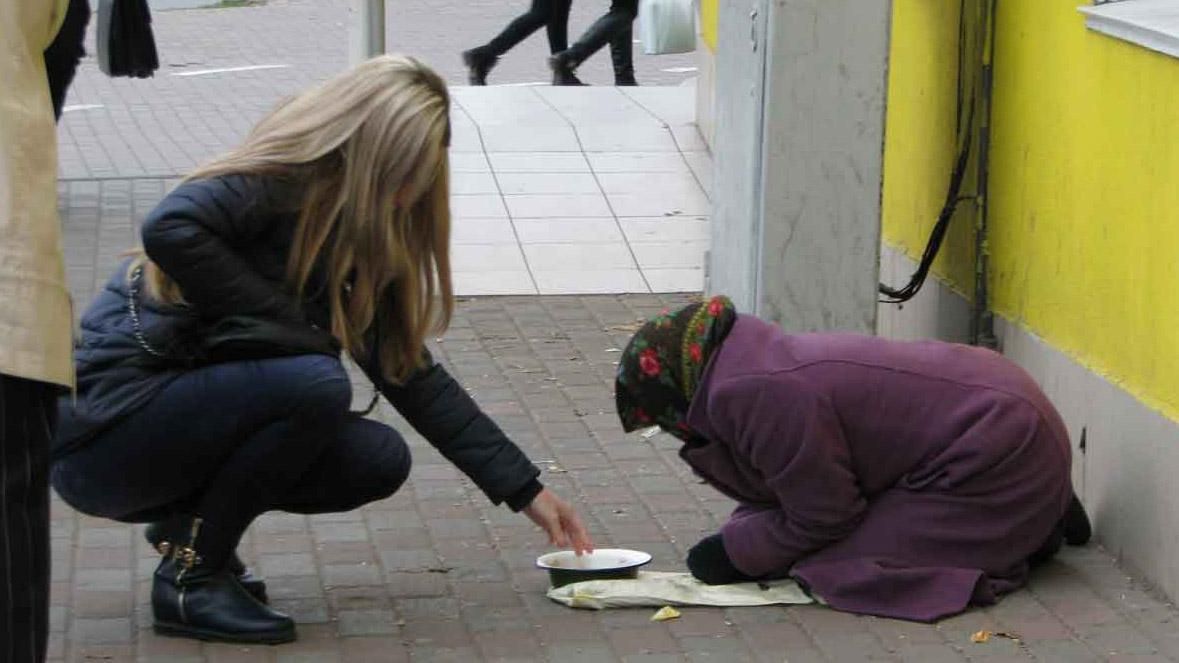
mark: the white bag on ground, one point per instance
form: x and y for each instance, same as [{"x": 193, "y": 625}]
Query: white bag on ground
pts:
[
  {"x": 667, "y": 26},
  {"x": 653, "y": 588}
]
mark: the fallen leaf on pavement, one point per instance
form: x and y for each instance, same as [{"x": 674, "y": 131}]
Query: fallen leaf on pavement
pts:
[
  {"x": 982, "y": 636},
  {"x": 665, "y": 613}
]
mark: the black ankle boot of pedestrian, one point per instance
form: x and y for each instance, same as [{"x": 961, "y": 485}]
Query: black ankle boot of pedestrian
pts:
[
  {"x": 622, "y": 57},
  {"x": 165, "y": 535},
  {"x": 563, "y": 71},
  {"x": 194, "y": 599},
  {"x": 479, "y": 64}
]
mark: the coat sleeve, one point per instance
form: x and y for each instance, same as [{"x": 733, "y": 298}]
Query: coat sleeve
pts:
[
  {"x": 440, "y": 410},
  {"x": 193, "y": 235},
  {"x": 792, "y": 437}
]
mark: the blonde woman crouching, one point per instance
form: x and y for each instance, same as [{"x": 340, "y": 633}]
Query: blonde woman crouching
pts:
[{"x": 210, "y": 384}]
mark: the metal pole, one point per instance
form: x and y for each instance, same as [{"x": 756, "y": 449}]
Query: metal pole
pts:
[{"x": 366, "y": 30}]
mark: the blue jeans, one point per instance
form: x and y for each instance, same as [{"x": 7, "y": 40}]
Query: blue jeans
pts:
[{"x": 231, "y": 441}]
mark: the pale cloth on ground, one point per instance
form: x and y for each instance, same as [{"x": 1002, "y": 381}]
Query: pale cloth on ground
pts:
[{"x": 654, "y": 588}]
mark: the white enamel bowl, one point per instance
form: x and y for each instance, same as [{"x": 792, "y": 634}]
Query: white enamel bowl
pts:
[{"x": 567, "y": 567}]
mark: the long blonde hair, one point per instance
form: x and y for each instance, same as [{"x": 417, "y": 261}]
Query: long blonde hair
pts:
[{"x": 368, "y": 151}]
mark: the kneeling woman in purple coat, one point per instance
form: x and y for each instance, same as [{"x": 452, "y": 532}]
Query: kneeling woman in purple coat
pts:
[{"x": 899, "y": 479}]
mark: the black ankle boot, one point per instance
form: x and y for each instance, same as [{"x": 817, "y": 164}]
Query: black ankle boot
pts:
[
  {"x": 1049, "y": 548},
  {"x": 563, "y": 71},
  {"x": 625, "y": 80},
  {"x": 479, "y": 64},
  {"x": 165, "y": 536},
  {"x": 622, "y": 57},
  {"x": 193, "y": 599}
]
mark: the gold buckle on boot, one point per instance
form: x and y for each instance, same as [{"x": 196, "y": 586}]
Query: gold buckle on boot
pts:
[{"x": 187, "y": 555}]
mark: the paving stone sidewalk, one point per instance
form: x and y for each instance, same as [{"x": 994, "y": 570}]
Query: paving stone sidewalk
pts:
[{"x": 436, "y": 573}]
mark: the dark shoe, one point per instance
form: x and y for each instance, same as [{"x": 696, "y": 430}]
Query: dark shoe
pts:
[
  {"x": 1073, "y": 529},
  {"x": 563, "y": 71},
  {"x": 1077, "y": 528},
  {"x": 165, "y": 535},
  {"x": 622, "y": 57},
  {"x": 192, "y": 600},
  {"x": 479, "y": 64},
  {"x": 1049, "y": 548}
]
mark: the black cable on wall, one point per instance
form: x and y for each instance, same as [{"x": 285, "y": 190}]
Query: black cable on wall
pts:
[{"x": 973, "y": 29}]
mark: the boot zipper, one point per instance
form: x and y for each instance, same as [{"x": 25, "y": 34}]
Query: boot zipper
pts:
[{"x": 186, "y": 558}]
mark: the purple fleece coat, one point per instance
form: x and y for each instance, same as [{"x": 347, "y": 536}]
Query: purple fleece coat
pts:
[{"x": 898, "y": 479}]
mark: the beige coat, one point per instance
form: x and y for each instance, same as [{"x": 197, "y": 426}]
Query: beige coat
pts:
[{"x": 35, "y": 313}]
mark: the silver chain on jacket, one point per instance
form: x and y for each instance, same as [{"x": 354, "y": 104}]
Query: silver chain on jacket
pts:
[{"x": 133, "y": 310}]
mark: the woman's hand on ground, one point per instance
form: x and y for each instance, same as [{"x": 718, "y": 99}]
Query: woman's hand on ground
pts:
[{"x": 559, "y": 521}]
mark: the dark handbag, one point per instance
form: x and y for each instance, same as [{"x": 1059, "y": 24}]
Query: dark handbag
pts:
[
  {"x": 232, "y": 338},
  {"x": 123, "y": 35}
]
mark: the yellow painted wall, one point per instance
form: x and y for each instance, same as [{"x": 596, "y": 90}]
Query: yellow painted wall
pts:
[
  {"x": 1085, "y": 183},
  {"x": 709, "y": 13}
]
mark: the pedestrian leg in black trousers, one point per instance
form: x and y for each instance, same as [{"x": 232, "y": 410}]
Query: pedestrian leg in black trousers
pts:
[
  {"x": 28, "y": 410},
  {"x": 612, "y": 28},
  {"x": 550, "y": 14}
]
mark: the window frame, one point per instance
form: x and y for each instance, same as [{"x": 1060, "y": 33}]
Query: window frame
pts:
[{"x": 1152, "y": 24}]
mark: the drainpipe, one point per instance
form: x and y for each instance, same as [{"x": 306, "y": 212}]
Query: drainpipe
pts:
[{"x": 982, "y": 321}]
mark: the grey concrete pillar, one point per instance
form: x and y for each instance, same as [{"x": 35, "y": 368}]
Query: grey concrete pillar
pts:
[
  {"x": 366, "y": 30},
  {"x": 798, "y": 156}
]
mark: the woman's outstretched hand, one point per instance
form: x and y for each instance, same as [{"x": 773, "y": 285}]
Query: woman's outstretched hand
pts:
[{"x": 559, "y": 521}]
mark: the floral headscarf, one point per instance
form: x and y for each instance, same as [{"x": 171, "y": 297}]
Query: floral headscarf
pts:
[{"x": 662, "y": 365}]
